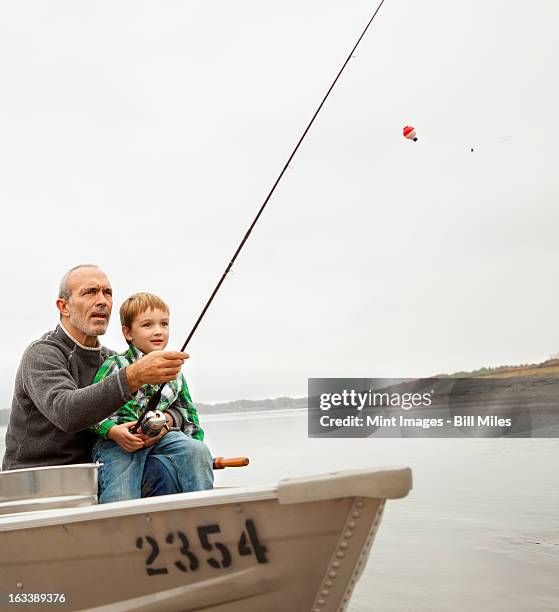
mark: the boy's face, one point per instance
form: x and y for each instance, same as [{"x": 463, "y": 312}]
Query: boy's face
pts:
[{"x": 149, "y": 331}]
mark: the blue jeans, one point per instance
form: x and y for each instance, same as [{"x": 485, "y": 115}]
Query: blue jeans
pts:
[
  {"x": 157, "y": 479},
  {"x": 187, "y": 461}
]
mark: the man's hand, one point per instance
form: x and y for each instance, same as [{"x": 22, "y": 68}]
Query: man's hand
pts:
[
  {"x": 124, "y": 438},
  {"x": 155, "y": 368}
]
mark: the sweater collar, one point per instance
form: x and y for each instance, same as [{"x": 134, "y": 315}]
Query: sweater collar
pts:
[{"x": 66, "y": 335}]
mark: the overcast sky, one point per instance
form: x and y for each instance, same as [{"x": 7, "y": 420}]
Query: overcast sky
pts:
[{"x": 143, "y": 136}]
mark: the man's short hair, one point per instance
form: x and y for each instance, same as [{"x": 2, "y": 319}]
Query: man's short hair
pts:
[
  {"x": 64, "y": 292},
  {"x": 139, "y": 303}
]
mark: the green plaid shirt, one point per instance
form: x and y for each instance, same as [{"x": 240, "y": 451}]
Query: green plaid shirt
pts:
[{"x": 175, "y": 393}]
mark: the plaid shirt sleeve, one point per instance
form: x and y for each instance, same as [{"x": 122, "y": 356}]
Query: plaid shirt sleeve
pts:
[
  {"x": 188, "y": 411},
  {"x": 108, "y": 367}
]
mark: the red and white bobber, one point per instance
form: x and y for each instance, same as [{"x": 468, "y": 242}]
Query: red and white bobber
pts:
[{"x": 409, "y": 133}]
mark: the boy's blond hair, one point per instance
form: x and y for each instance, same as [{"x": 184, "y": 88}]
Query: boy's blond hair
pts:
[{"x": 139, "y": 303}]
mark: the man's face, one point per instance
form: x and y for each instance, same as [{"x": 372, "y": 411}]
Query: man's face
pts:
[{"x": 89, "y": 308}]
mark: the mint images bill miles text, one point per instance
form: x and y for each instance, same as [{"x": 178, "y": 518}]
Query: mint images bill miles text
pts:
[{"x": 327, "y": 420}]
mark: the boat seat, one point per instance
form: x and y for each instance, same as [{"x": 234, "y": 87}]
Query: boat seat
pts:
[{"x": 41, "y": 488}]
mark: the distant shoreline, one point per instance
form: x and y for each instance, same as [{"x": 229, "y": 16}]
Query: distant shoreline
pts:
[
  {"x": 235, "y": 407},
  {"x": 280, "y": 403}
]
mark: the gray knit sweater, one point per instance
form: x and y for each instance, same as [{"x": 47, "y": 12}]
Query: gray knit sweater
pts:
[{"x": 54, "y": 402}]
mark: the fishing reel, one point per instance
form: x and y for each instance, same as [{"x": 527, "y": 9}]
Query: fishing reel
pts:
[{"x": 153, "y": 423}]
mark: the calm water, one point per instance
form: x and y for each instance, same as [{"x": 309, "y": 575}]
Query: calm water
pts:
[{"x": 479, "y": 531}]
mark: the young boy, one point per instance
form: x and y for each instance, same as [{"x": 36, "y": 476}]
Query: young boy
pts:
[{"x": 145, "y": 324}]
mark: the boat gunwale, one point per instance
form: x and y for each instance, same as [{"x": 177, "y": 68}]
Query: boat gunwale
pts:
[
  {"x": 386, "y": 483},
  {"x": 147, "y": 505}
]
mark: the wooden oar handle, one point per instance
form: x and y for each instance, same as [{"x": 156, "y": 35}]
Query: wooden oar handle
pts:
[{"x": 222, "y": 462}]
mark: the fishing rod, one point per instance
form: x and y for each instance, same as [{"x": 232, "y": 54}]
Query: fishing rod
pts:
[{"x": 154, "y": 400}]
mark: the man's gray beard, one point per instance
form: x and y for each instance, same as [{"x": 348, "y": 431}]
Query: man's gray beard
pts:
[{"x": 82, "y": 326}]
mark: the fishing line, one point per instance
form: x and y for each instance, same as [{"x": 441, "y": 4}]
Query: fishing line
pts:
[{"x": 154, "y": 400}]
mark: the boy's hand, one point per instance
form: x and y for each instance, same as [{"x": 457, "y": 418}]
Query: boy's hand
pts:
[
  {"x": 155, "y": 368},
  {"x": 151, "y": 440},
  {"x": 124, "y": 438}
]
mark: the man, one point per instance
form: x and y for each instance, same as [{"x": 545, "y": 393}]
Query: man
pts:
[{"x": 54, "y": 401}]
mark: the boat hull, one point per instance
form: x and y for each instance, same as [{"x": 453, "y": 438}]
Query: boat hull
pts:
[{"x": 264, "y": 549}]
